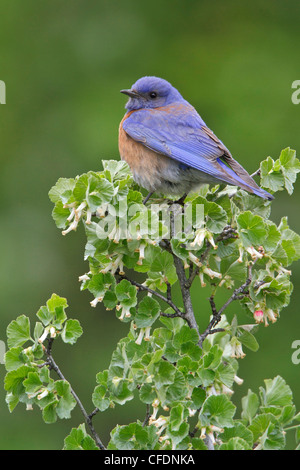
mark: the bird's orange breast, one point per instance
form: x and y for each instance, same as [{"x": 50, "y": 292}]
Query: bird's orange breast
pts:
[{"x": 145, "y": 164}]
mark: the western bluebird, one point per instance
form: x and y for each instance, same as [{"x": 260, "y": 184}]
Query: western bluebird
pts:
[{"x": 168, "y": 146}]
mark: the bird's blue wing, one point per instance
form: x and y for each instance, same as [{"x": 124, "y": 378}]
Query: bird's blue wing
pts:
[
  {"x": 181, "y": 134},
  {"x": 177, "y": 136}
]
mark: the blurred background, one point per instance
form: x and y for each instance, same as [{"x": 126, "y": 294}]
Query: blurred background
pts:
[{"x": 64, "y": 63}]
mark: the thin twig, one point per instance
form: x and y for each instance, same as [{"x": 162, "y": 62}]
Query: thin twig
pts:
[
  {"x": 240, "y": 291},
  {"x": 153, "y": 292},
  {"x": 213, "y": 306},
  {"x": 185, "y": 292},
  {"x": 228, "y": 232},
  {"x": 147, "y": 417},
  {"x": 171, "y": 315},
  {"x": 237, "y": 294},
  {"x": 195, "y": 430},
  {"x": 169, "y": 291},
  {"x": 210, "y": 328},
  {"x": 257, "y": 172},
  {"x": 93, "y": 413},
  {"x": 88, "y": 419}
]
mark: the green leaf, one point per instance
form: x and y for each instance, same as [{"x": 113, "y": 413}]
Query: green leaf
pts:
[
  {"x": 280, "y": 254},
  {"x": 18, "y": 331},
  {"x": 147, "y": 393},
  {"x": 251, "y": 229},
  {"x": 62, "y": 190},
  {"x": 226, "y": 373},
  {"x": 207, "y": 376},
  {"x": 121, "y": 392},
  {"x": 213, "y": 357},
  {"x": 248, "y": 340},
  {"x": 81, "y": 187},
  {"x": 99, "y": 398},
  {"x": 177, "y": 416},
  {"x": 240, "y": 431},
  {"x": 267, "y": 432},
  {"x": 71, "y": 331},
  {"x": 165, "y": 373},
  {"x": 275, "y": 293},
  {"x": 56, "y": 301},
  {"x": 118, "y": 170},
  {"x": 273, "y": 237},
  {"x": 78, "y": 439},
  {"x": 14, "y": 359},
  {"x": 177, "y": 390},
  {"x": 13, "y": 381},
  {"x": 249, "y": 202},
  {"x": 282, "y": 173},
  {"x": 49, "y": 412},
  {"x": 100, "y": 283},
  {"x": 110, "y": 300},
  {"x": 11, "y": 401},
  {"x": 60, "y": 215},
  {"x": 171, "y": 353},
  {"x": 276, "y": 392},
  {"x": 217, "y": 410},
  {"x": 198, "y": 444},
  {"x": 45, "y": 315},
  {"x": 237, "y": 271},
  {"x": 185, "y": 335},
  {"x": 271, "y": 178},
  {"x": 148, "y": 311},
  {"x": 235, "y": 443},
  {"x": 250, "y": 405},
  {"x": 290, "y": 242},
  {"x": 177, "y": 435},
  {"x": 33, "y": 383},
  {"x": 290, "y": 167},
  {"x": 66, "y": 401},
  {"x": 38, "y": 330},
  {"x": 126, "y": 293},
  {"x": 133, "y": 436},
  {"x": 215, "y": 217},
  {"x": 164, "y": 264},
  {"x": 53, "y": 312},
  {"x": 198, "y": 397}
]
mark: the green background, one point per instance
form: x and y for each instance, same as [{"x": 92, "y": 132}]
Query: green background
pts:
[{"x": 64, "y": 63}]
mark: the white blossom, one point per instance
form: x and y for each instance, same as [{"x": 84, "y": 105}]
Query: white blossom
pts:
[
  {"x": 236, "y": 348},
  {"x": 43, "y": 394},
  {"x": 254, "y": 253},
  {"x": 44, "y": 335},
  {"x": 96, "y": 301}
]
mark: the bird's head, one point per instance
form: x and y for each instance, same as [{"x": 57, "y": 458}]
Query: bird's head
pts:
[{"x": 151, "y": 92}]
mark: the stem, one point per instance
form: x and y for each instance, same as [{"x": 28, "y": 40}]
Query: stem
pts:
[
  {"x": 242, "y": 290},
  {"x": 167, "y": 299},
  {"x": 228, "y": 232},
  {"x": 289, "y": 428},
  {"x": 257, "y": 172},
  {"x": 88, "y": 418},
  {"x": 148, "y": 414},
  {"x": 185, "y": 292},
  {"x": 217, "y": 315}
]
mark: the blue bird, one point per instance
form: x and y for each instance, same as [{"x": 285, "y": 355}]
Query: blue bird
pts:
[{"x": 168, "y": 146}]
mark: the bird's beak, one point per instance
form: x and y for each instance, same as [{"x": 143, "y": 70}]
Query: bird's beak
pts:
[{"x": 131, "y": 93}]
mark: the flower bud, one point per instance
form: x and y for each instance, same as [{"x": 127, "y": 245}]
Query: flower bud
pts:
[{"x": 258, "y": 316}]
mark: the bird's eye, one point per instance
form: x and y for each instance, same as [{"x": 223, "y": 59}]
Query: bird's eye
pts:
[{"x": 153, "y": 94}]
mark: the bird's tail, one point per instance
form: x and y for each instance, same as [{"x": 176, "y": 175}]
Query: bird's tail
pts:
[{"x": 238, "y": 176}]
